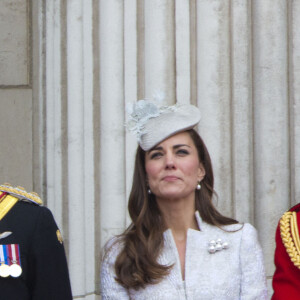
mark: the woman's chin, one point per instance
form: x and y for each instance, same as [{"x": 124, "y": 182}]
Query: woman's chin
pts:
[{"x": 174, "y": 195}]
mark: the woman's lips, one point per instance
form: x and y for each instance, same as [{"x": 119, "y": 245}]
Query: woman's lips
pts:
[{"x": 170, "y": 178}]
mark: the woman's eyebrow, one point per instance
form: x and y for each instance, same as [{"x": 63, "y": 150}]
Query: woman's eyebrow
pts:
[
  {"x": 155, "y": 148},
  {"x": 159, "y": 148},
  {"x": 181, "y": 145}
]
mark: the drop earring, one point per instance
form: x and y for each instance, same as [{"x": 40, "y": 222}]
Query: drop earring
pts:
[
  {"x": 198, "y": 186},
  {"x": 149, "y": 191}
]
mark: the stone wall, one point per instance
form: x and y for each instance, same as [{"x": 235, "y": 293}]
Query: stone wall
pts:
[{"x": 71, "y": 69}]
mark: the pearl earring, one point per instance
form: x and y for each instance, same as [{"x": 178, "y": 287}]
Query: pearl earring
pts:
[
  {"x": 198, "y": 186},
  {"x": 149, "y": 191}
]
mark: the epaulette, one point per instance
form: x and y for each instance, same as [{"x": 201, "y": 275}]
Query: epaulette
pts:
[
  {"x": 10, "y": 195},
  {"x": 295, "y": 207},
  {"x": 290, "y": 234}
]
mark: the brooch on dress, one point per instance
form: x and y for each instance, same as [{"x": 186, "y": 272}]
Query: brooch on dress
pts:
[{"x": 218, "y": 245}]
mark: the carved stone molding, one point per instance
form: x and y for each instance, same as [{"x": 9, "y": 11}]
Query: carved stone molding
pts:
[{"x": 15, "y": 28}]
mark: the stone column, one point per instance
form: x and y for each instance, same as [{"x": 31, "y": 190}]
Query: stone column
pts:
[{"x": 271, "y": 120}]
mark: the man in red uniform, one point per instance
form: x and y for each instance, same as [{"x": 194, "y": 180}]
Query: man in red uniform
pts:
[{"x": 286, "y": 279}]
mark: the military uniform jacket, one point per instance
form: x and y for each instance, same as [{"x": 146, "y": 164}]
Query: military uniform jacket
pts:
[
  {"x": 286, "y": 279},
  {"x": 44, "y": 267},
  {"x": 236, "y": 273}
]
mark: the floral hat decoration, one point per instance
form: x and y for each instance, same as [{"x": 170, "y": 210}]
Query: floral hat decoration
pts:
[{"x": 153, "y": 122}]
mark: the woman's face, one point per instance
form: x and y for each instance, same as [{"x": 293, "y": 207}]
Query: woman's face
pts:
[{"x": 173, "y": 168}]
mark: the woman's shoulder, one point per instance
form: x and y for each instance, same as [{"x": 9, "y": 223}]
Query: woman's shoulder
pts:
[
  {"x": 244, "y": 234},
  {"x": 238, "y": 227},
  {"x": 245, "y": 230},
  {"x": 243, "y": 227},
  {"x": 112, "y": 248}
]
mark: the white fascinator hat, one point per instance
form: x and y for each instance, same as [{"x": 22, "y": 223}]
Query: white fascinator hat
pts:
[{"x": 152, "y": 123}]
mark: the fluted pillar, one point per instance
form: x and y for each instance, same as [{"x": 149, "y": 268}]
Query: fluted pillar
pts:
[
  {"x": 112, "y": 159},
  {"x": 271, "y": 120},
  {"x": 70, "y": 136},
  {"x": 131, "y": 53},
  {"x": 80, "y": 147},
  {"x": 183, "y": 51},
  {"x": 294, "y": 93},
  {"x": 237, "y": 60},
  {"x": 159, "y": 49},
  {"x": 241, "y": 110},
  {"x": 213, "y": 92}
]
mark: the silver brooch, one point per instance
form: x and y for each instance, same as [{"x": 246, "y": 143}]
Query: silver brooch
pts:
[{"x": 218, "y": 245}]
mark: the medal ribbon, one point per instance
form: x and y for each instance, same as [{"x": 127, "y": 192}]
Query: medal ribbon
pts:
[
  {"x": 3, "y": 255},
  {"x": 8, "y": 250},
  {"x": 10, "y": 260},
  {"x": 14, "y": 254}
]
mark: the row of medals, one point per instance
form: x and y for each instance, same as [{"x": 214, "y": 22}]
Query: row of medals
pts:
[{"x": 13, "y": 270}]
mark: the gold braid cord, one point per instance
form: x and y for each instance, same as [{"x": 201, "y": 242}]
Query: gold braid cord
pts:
[
  {"x": 290, "y": 236},
  {"x": 20, "y": 193},
  {"x": 6, "y": 205}
]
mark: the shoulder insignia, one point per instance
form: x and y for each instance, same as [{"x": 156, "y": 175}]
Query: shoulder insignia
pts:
[
  {"x": 6, "y": 204},
  {"x": 59, "y": 236},
  {"x": 21, "y": 194},
  {"x": 295, "y": 207},
  {"x": 290, "y": 236}
]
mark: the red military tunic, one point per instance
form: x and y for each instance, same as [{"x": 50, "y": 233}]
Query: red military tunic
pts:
[{"x": 286, "y": 279}]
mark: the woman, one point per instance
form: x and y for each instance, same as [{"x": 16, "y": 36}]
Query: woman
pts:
[{"x": 178, "y": 245}]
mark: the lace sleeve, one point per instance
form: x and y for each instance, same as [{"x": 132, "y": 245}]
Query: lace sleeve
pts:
[
  {"x": 110, "y": 288},
  {"x": 253, "y": 284}
]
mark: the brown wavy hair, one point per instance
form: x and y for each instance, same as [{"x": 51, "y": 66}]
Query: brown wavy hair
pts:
[{"x": 136, "y": 265}]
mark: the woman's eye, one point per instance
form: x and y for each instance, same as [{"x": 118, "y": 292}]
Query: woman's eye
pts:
[
  {"x": 155, "y": 155},
  {"x": 182, "y": 152}
]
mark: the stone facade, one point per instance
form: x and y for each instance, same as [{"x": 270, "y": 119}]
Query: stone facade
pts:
[{"x": 68, "y": 68}]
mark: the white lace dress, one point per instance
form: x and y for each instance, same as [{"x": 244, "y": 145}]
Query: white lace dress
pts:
[{"x": 228, "y": 274}]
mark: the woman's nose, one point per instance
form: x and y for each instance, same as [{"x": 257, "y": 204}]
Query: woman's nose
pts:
[{"x": 170, "y": 161}]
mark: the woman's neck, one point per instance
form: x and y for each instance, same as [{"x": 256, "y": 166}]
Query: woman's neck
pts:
[{"x": 178, "y": 216}]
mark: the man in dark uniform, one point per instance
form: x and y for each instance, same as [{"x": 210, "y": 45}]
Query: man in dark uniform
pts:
[
  {"x": 32, "y": 258},
  {"x": 286, "y": 279}
]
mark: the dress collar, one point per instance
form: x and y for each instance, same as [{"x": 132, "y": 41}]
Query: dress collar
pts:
[{"x": 202, "y": 226}]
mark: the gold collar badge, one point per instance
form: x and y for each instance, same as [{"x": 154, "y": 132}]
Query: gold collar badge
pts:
[{"x": 59, "y": 236}]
